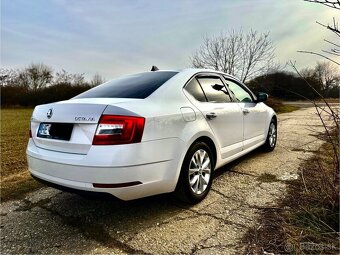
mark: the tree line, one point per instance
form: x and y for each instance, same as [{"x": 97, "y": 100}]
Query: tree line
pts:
[
  {"x": 249, "y": 56},
  {"x": 324, "y": 78},
  {"x": 39, "y": 84}
]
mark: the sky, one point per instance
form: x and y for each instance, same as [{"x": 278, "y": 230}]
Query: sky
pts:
[{"x": 116, "y": 37}]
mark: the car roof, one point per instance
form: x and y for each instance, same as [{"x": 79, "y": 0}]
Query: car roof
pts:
[{"x": 202, "y": 70}]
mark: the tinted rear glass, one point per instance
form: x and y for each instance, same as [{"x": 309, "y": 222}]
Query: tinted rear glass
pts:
[{"x": 133, "y": 86}]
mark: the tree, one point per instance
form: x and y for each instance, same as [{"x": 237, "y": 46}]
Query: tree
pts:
[
  {"x": 244, "y": 55},
  {"x": 97, "y": 79},
  {"x": 62, "y": 77},
  {"x": 65, "y": 78},
  {"x": 328, "y": 75},
  {"x": 310, "y": 76},
  {"x": 78, "y": 80},
  {"x": 36, "y": 76},
  {"x": 8, "y": 77}
]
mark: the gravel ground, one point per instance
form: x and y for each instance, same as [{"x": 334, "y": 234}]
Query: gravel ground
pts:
[{"x": 49, "y": 221}]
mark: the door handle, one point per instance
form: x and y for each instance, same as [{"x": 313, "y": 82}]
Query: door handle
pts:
[
  {"x": 245, "y": 111},
  {"x": 211, "y": 115}
]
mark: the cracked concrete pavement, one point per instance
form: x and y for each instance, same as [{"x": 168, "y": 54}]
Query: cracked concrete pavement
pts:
[{"x": 49, "y": 221}]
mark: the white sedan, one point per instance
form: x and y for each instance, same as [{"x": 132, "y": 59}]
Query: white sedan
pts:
[{"x": 149, "y": 133}]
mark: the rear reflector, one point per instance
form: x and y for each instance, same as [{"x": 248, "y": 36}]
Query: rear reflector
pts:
[
  {"x": 113, "y": 129},
  {"x": 115, "y": 185}
]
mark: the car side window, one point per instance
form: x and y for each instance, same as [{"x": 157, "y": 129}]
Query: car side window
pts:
[
  {"x": 214, "y": 89},
  {"x": 240, "y": 93},
  {"x": 195, "y": 90}
]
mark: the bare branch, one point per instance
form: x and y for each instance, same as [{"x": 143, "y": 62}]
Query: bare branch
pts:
[
  {"x": 97, "y": 79},
  {"x": 329, "y": 3},
  {"x": 332, "y": 52},
  {"x": 333, "y": 28},
  {"x": 337, "y": 45},
  {"x": 318, "y": 54}
]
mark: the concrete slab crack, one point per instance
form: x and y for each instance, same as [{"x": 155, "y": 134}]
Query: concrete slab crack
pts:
[{"x": 94, "y": 232}]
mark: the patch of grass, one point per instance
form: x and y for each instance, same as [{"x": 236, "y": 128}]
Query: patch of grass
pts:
[
  {"x": 307, "y": 219},
  {"x": 15, "y": 179},
  {"x": 279, "y": 107},
  {"x": 284, "y": 108},
  {"x": 267, "y": 178}
]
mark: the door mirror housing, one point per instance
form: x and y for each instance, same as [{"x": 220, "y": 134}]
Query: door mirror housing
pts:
[{"x": 261, "y": 97}]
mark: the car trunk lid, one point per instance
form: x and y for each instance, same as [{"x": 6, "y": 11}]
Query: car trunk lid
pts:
[{"x": 69, "y": 126}]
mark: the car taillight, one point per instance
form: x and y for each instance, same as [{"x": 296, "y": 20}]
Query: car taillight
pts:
[
  {"x": 114, "y": 129},
  {"x": 30, "y": 133}
]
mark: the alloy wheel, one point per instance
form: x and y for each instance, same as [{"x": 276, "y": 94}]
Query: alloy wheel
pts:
[
  {"x": 199, "y": 171},
  {"x": 272, "y": 135}
]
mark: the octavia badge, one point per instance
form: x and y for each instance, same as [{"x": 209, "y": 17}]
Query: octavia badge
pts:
[{"x": 49, "y": 113}]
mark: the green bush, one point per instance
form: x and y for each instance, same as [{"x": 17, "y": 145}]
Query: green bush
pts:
[{"x": 285, "y": 86}]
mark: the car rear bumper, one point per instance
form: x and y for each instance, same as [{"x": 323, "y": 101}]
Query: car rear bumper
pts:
[{"x": 124, "y": 182}]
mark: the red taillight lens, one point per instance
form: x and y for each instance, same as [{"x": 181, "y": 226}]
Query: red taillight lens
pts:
[
  {"x": 30, "y": 133},
  {"x": 114, "y": 129}
]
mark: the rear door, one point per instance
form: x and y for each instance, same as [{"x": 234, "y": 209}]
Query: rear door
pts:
[{"x": 224, "y": 118}]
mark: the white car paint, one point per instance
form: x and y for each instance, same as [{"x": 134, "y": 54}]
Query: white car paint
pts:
[{"x": 173, "y": 121}]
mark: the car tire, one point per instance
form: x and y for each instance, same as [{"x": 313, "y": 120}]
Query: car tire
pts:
[
  {"x": 196, "y": 176},
  {"x": 271, "y": 137}
]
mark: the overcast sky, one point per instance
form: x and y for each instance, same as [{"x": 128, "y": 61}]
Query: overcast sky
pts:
[{"x": 115, "y": 37}]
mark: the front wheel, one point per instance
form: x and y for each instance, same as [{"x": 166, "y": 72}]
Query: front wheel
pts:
[
  {"x": 271, "y": 136},
  {"x": 196, "y": 174}
]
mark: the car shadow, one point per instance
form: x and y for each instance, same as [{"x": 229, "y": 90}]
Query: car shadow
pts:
[
  {"x": 228, "y": 168},
  {"x": 113, "y": 222}
]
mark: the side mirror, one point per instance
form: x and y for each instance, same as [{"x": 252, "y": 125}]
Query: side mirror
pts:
[{"x": 261, "y": 97}]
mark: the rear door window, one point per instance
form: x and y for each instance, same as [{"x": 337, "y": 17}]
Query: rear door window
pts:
[
  {"x": 214, "y": 95},
  {"x": 194, "y": 88}
]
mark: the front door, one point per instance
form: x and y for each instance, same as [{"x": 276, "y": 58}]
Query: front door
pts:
[{"x": 254, "y": 114}]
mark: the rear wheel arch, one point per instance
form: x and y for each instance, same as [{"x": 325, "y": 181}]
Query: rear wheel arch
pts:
[
  {"x": 211, "y": 145},
  {"x": 184, "y": 190},
  {"x": 195, "y": 139}
]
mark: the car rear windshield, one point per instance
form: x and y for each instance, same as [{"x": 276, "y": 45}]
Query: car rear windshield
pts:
[{"x": 139, "y": 85}]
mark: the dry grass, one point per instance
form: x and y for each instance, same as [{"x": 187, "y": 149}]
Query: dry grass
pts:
[
  {"x": 15, "y": 179},
  {"x": 279, "y": 107},
  {"x": 307, "y": 219}
]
